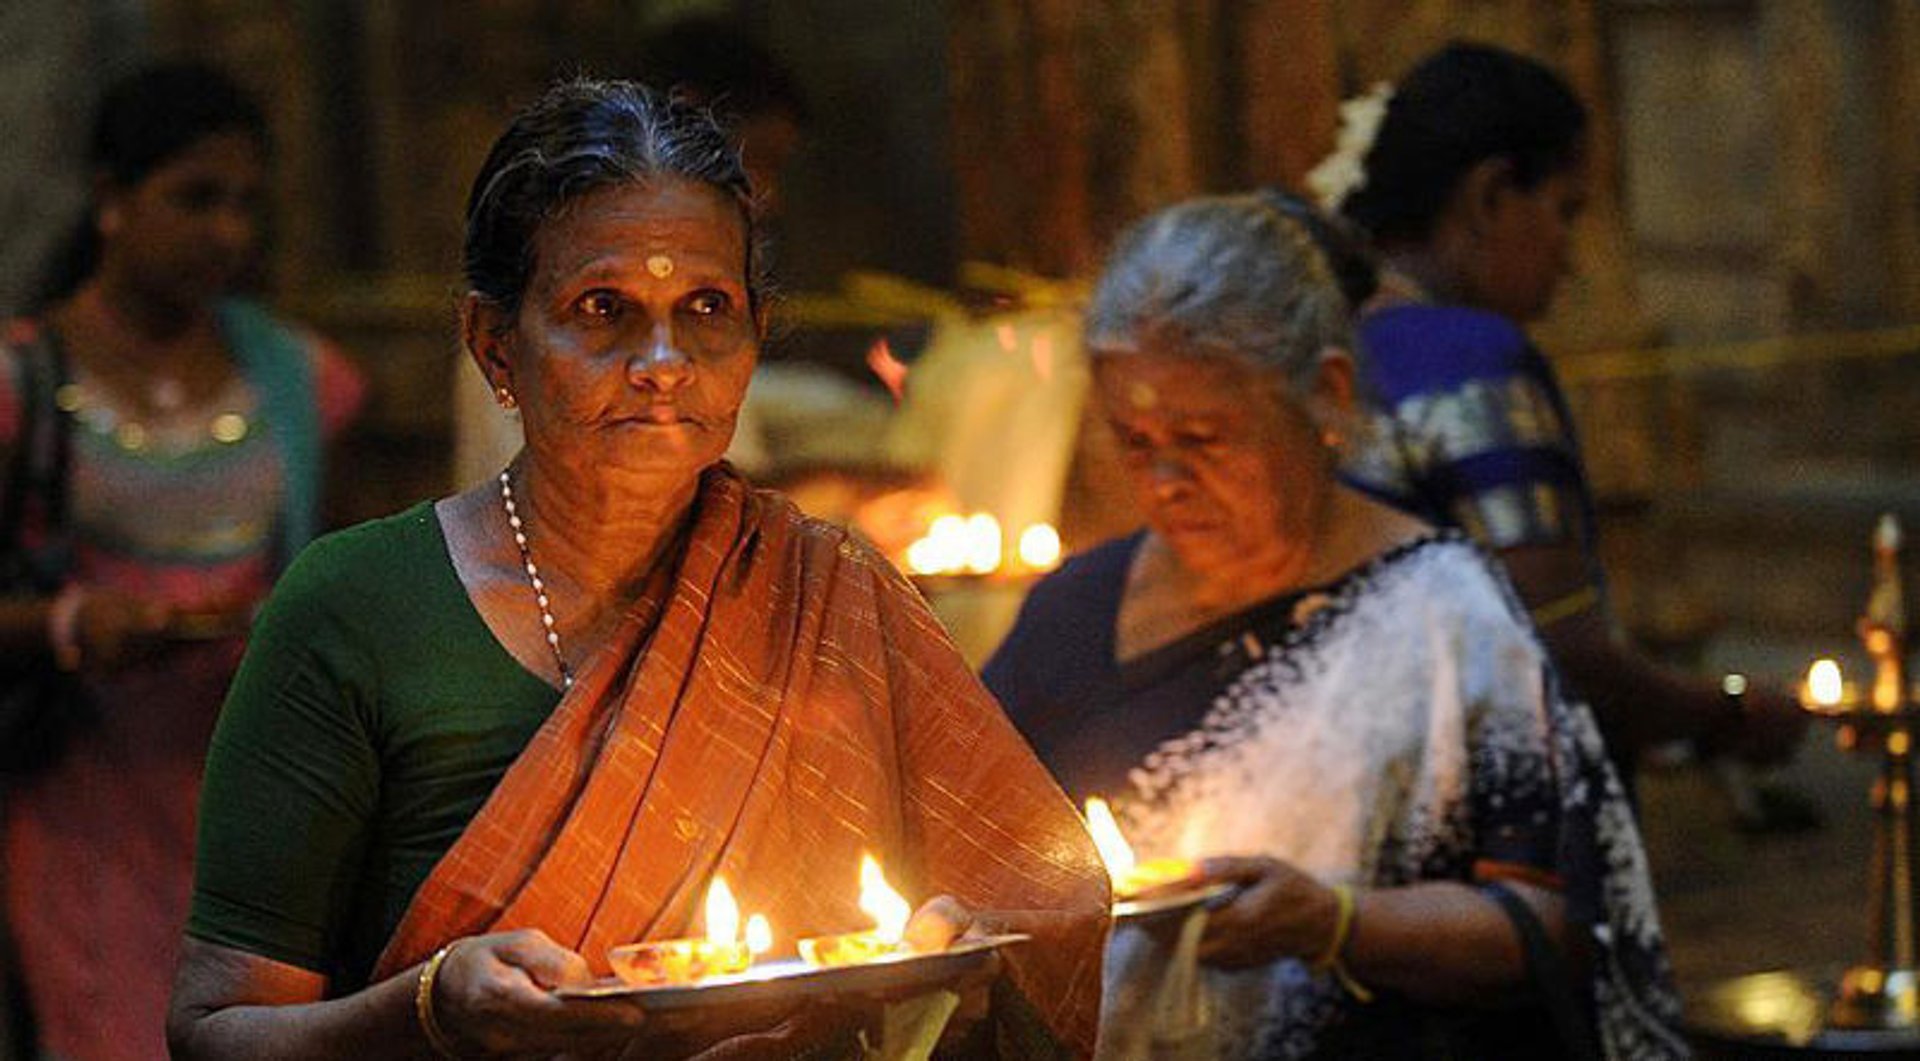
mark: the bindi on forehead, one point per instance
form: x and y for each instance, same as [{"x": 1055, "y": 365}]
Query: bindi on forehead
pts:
[{"x": 663, "y": 229}]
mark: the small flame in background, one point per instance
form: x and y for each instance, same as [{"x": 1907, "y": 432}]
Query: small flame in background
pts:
[
  {"x": 1039, "y": 547},
  {"x": 888, "y": 368},
  {"x": 1825, "y": 685},
  {"x": 1043, "y": 357},
  {"x": 975, "y": 545},
  {"x": 759, "y": 935},
  {"x": 1113, "y": 847},
  {"x": 982, "y": 544},
  {"x": 879, "y": 901},
  {"x": 723, "y": 914}
]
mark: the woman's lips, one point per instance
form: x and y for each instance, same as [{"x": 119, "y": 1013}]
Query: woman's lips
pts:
[
  {"x": 658, "y": 416},
  {"x": 1184, "y": 525}
]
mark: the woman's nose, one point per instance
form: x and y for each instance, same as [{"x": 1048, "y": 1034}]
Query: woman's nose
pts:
[
  {"x": 233, "y": 230},
  {"x": 660, "y": 364},
  {"x": 1168, "y": 478}
]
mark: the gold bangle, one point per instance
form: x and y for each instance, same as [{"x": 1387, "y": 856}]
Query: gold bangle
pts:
[
  {"x": 423, "y": 1004},
  {"x": 1561, "y": 609},
  {"x": 1331, "y": 960}
]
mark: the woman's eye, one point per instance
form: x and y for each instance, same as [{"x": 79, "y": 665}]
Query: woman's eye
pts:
[
  {"x": 599, "y": 305},
  {"x": 709, "y": 303}
]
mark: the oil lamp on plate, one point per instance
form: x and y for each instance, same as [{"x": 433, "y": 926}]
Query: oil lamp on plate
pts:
[
  {"x": 1132, "y": 878},
  {"x": 1145, "y": 887},
  {"x": 723, "y": 951},
  {"x": 890, "y": 912},
  {"x": 728, "y": 966}
]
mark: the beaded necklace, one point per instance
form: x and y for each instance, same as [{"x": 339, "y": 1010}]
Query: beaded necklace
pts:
[{"x": 533, "y": 578}]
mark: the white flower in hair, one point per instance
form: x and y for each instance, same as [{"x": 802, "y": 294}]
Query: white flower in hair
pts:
[{"x": 1345, "y": 169}]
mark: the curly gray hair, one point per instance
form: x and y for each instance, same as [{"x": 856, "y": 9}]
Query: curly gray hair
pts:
[{"x": 1221, "y": 276}]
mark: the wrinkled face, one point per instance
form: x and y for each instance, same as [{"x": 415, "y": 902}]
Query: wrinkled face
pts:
[
  {"x": 635, "y": 340},
  {"x": 1528, "y": 245},
  {"x": 1223, "y": 467},
  {"x": 185, "y": 232}
]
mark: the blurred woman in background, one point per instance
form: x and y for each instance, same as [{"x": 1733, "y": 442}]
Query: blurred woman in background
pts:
[
  {"x": 1470, "y": 192},
  {"x": 164, "y": 439}
]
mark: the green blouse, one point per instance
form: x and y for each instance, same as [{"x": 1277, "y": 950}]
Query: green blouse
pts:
[{"x": 373, "y": 715}]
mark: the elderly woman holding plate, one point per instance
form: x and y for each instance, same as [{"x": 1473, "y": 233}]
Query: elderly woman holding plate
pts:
[
  {"x": 476, "y": 745},
  {"x": 1321, "y": 701}
]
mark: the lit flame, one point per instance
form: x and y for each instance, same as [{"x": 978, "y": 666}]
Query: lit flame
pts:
[
  {"x": 1114, "y": 849},
  {"x": 723, "y": 915},
  {"x": 884, "y": 365},
  {"x": 1824, "y": 684},
  {"x": 759, "y": 935},
  {"x": 1040, "y": 547},
  {"x": 955, "y": 544},
  {"x": 1043, "y": 357},
  {"x": 942, "y": 549},
  {"x": 879, "y": 901},
  {"x": 983, "y": 544}
]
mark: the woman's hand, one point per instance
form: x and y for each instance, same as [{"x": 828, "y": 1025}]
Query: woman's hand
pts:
[
  {"x": 939, "y": 921},
  {"x": 494, "y": 995},
  {"x": 1279, "y": 912},
  {"x": 113, "y": 629},
  {"x": 1772, "y": 728}
]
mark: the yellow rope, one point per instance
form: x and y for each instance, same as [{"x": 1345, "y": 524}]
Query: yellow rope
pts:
[{"x": 1609, "y": 366}]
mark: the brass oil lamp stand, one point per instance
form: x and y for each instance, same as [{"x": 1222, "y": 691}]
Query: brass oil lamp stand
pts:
[{"x": 1882, "y": 993}]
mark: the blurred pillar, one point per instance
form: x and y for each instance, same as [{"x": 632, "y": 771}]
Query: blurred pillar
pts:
[
  {"x": 1072, "y": 118},
  {"x": 1900, "y": 61},
  {"x": 1830, "y": 161},
  {"x": 1291, "y": 87}
]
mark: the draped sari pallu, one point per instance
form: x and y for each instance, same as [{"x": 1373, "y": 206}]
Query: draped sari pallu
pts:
[{"x": 778, "y": 704}]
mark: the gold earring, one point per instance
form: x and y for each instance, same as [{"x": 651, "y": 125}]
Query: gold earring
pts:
[
  {"x": 1330, "y": 438},
  {"x": 505, "y": 398}
]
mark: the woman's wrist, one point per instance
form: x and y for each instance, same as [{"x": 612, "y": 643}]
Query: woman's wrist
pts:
[
  {"x": 63, "y": 626},
  {"x": 1332, "y": 959},
  {"x": 423, "y": 1008}
]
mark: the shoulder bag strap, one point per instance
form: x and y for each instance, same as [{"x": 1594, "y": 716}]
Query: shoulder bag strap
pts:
[
  {"x": 23, "y": 469},
  {"x": 42, "y": 456}
]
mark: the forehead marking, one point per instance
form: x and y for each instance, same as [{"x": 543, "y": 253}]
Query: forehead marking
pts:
[
  {"x": 660, "y": 265},
  {"x": 1143, "y": 396}
]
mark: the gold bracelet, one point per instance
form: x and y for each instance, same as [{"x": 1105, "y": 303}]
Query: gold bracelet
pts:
[
  {"x": 423, "y": 1004},
  {"x": 1559, "y": 610},
  {"x": 1331, "y": 960}
]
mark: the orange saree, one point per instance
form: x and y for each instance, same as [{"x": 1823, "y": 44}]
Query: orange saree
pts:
[{"x": 783, "y": 703}]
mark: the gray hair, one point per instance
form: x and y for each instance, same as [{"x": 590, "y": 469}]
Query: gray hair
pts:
[
  {"x": 1221, "y": 276},
  {"x": 581, "y": 136}
]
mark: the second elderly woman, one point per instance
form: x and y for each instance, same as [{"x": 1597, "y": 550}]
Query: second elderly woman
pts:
[
  {"x": 476, "y": 744},
  {"x": 1332, "y": 706}
]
